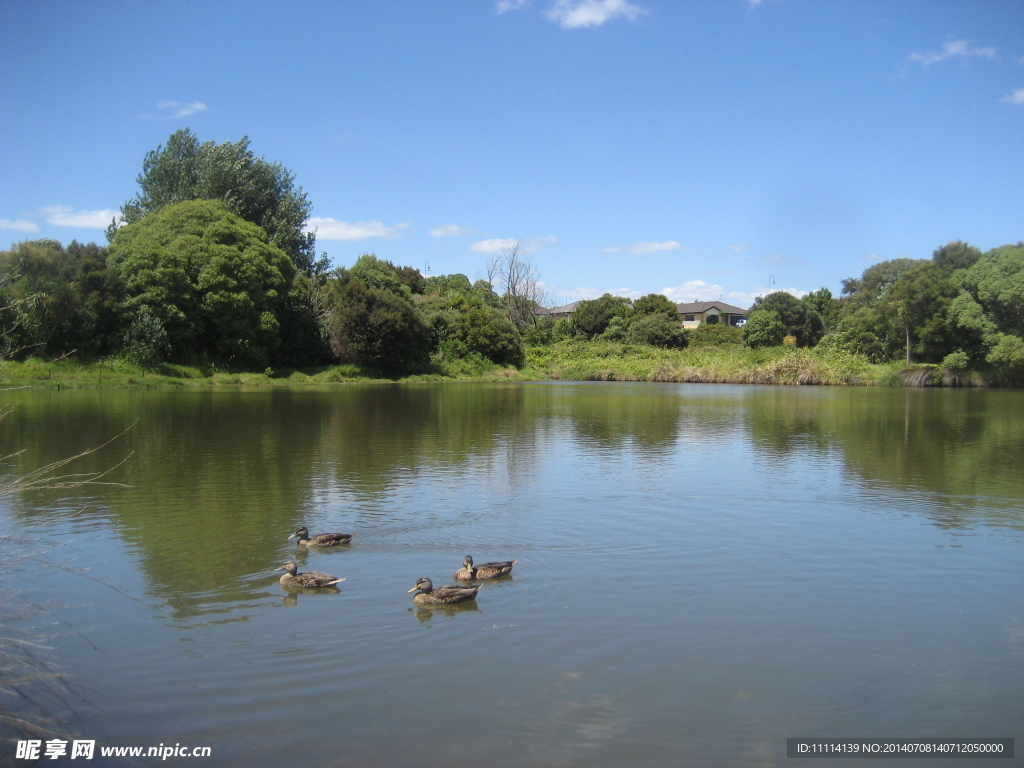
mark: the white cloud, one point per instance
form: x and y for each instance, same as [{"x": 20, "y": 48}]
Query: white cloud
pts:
[
  {"x": 1017, "y": 97},
  {"x": 694, "y": 290},
  {"x": 952, "y": 49},
  {"x": 502, "y": 6},
  {"x": 450, "y": 230},
  {"x": 170, "y": 110},
  {"x": 63, "y": 216},
  {"x": 499, "y": 244},
  {"x": 739, "y": 248},
  {"x": 19, "y": 225},
  {"x": 332, "y": 229},
  {"x": 573, "y": 14},
  {"x": 644, "y": 248}
]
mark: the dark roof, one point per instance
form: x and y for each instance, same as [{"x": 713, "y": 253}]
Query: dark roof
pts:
[{"x": 696, "y": 307}]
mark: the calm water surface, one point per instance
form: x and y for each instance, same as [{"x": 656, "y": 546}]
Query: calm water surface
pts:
[{"x": 703, "y": 571}]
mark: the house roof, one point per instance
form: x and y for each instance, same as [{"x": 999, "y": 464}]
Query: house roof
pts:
[
  {"x": 565, "y": 309},
  {"x": 696, "y": 307}
]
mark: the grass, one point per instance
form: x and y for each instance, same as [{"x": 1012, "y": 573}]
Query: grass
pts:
[
  {"x": 612, "y": 361},
  {"x": 566, "y": 360},
  {"x": 117, "y": 374}
]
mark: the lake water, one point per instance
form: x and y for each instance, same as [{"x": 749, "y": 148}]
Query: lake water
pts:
[{"x": 704, "y": 571}]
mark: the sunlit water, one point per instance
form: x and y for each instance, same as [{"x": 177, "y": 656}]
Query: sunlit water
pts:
[{"x": 703, "y": 571}]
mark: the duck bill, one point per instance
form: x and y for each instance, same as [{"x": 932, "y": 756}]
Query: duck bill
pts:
[{"x": 414, "y": 589}]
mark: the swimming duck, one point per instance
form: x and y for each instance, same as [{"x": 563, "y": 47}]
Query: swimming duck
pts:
[
  {"x": 470, "y": 572},
  {"x": 452, "y": 593},
  {"x": 305, "y": 580},
  {"x": 321, "y": 539}
]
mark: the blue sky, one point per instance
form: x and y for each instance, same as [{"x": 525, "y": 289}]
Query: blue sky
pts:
[{"x": 705, "y": 149}]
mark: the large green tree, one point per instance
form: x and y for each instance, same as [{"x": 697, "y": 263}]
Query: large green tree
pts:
[
  {"x": 58, "y": 301},
  {"x": 375, "y": 327},
  {"x": 261, "y": 192},
  {"x": 988, "y": 314},
  {"x": 799, "y": 319},
  {"x": 214, "y": 282},
  {"x": 591, "y": 317}
]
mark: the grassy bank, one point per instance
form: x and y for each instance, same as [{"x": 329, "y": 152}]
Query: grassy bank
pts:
[
  {"x": 120, "y": 375},
  {"x": 611, "y": 361},
  {"x": 567, "y": 360}
]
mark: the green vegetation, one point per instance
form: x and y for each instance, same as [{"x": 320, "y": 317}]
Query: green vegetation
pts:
[{"x": 211, "y": 277}]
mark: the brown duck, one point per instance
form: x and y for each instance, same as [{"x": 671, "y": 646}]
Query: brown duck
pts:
[
  {"x": 321, "y": 539},
  {"x": 470, "y": 572},
  {"x": 426, "y": 594},
  {"x": 305, "y": 580}
]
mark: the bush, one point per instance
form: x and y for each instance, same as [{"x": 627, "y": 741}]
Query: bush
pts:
[
  {"x": 377, "y": 328},
  {"x": 715, "y": 335},
  {"x": 956, "y": 361},
  {"x": 764, "y": 329},
  {"x": 658, "y": 330}
]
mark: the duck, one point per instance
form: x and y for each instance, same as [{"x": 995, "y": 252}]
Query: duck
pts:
[
  {"x": 470, "y": 572},
  {"x": 305, "y": 580},
  {"x": 321, "y": 539},
  {"x": 426, "y": 594}
]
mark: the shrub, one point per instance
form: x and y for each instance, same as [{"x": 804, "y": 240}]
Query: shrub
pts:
[{"x": 658, "y": 330}]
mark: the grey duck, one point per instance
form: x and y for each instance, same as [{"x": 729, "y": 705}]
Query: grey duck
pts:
[
  {"x": 426, "y": 594},
  {"x": 321, "y": 539},
  {"x": 305, "y": 580},
  {"x": 470, "y": 572}
]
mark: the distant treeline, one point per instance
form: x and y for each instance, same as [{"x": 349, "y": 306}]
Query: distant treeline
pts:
[{"x": 210, "y": 265}]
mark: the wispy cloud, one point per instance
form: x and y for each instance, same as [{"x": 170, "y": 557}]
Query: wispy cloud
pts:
[
  {"x": 499, "y": 244},
  {"x": 952, "y": 49},
  {"x": 63, "y": 216},
  {"x": 644, "y": 248},
  {"x": 450, "y": 230},
  {"x": 172, "y": 110},
  {"x": 739, "y": 248},
  {"x": 574, "y": 14},
  {"x": 504, "y": 6},
  {"x": 332, "y": 229},
  {"x": 19, "y": 225},
  {"x": 1017, "y": 97},
  {"x": 694, "y": 290}
]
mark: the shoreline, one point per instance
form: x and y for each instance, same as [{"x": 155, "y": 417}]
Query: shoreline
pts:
[{"x": 566, "y": 361}]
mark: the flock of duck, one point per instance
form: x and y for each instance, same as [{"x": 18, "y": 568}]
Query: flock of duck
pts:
[{"x": 426, "y": 592}]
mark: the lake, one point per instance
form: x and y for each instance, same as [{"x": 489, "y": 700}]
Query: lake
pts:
[{"x": 704, "y": 570}]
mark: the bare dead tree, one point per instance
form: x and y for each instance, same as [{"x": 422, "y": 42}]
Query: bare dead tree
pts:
[{"x": 518, "y": 282}]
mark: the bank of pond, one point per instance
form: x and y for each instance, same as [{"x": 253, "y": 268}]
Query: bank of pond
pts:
[{"x": 566, "y": 361}]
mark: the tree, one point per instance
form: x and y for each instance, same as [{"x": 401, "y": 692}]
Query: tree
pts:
[
  {"x": 763, "y": 329},
  {"x": 59, "y": 301},
  {"x": 653, "y": 304},
  {"x": 798, "y": 319},
  {"x": 828, "y": 308},
  {"x": 261, "y": 192},
  {"x": 512, "y": 271},
  {"x": 988, "y": 314},
  {"x": 591, "y": 317},
  {"x": 379, "y": 274},
  {"x": 211, "y": 279},
  {"x": 658, "y": 330},
  {"x": 491, "y": 334},
  {"x": 996, "y": 283},
  {"x": 375, "y": 327},
  {"x": 956, "y": 255}
]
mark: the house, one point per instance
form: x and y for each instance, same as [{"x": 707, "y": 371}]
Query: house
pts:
[
  {"x": 695, "y": 313},
  {"x": 560, "y": 313},
  {"x": 692, "y": 314}
]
